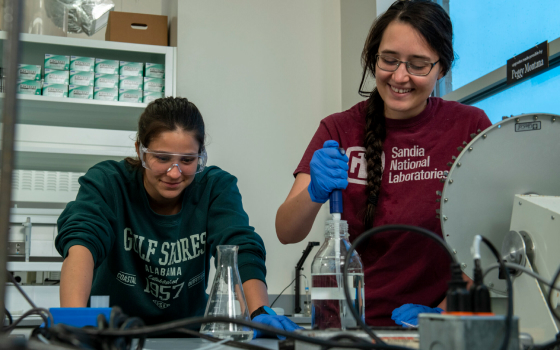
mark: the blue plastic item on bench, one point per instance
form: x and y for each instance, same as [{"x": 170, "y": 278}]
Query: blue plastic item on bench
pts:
[{"x": 79, "y": 316}]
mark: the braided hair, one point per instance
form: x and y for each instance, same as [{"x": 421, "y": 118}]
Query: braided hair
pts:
[{"x": 434, "y": 24}]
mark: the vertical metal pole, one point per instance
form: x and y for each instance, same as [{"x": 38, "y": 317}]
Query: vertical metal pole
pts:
[
  {"x": 12, "y": 19},
  {"x": 297, "y": 307}
]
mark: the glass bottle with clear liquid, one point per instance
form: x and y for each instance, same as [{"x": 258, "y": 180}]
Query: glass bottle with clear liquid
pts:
[
  {"x": 329, "y": 308},
  {"x": 227, "y": 298}
]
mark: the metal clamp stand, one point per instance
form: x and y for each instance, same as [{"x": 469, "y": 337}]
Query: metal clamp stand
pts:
[{"x": 310, "y": 245}]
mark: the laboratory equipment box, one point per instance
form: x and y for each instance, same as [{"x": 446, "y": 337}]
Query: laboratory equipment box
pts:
[
  {"x": 59, "y": 62},
  {"x": 106, "y": 94},
  {"x": 106, "y": 66},
  {"x": 130, "y": 95},
  {"x": 82, "y": 64},
  {"x": 55, "y": 90},
  {"x": 81, "y": 78},
  {"x": 80, "y": 91}
]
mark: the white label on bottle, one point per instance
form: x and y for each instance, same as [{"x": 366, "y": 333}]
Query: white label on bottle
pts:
[{"x": 330, "y": 293}]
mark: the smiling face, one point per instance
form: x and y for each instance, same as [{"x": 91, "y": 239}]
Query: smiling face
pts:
[
  {"x": 405, "y": 95},
  {"x": 165, "y": 190}
]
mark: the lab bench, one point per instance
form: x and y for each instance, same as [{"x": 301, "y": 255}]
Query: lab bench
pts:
[{"x": 197, "y": 343}]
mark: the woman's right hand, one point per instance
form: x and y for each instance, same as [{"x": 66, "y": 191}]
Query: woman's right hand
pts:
[
  {"x": 329, "y": 172},
  {"x": 76, "y": 277}
]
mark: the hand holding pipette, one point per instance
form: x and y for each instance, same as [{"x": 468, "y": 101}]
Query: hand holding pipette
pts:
[{"x": 329, "y": 172}]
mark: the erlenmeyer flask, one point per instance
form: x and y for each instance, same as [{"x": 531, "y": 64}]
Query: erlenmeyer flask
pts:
[{"x": 227, "y": 298}]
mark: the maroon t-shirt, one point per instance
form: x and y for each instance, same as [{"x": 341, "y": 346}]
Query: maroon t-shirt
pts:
[{"x": 400, "y": 267}]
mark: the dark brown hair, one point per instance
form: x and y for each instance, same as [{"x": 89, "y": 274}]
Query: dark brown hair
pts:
[
  {"x": 168, "y": 114},
  {"x": 434, "y": 24}
]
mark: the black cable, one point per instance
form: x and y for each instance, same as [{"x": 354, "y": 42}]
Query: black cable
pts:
[
  {"x": 135, "y": 322},
  {"x": 38, "y": 311},
  {"x": 509, "y": 314},
  {"x": 44, "y": 312},
  {"x": 9, "y": 316},
  {"x": 21, "y": 291},
  {"x": 61, "y": 334},
  {"x": 283, "y": 290},
  {"x": 367, "y": 235},
  {"x": 353, "y": 339},
  {"x": 549, "y": 299},
  {"x": 513, "y": 266},
  {"x": 163, "y": 328},
  {"x": 547, "y": 346},
  {"x": 553, "y": 343}
]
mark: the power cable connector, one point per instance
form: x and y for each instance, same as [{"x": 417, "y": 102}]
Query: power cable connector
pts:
[
  {"x": 480, "y": 294},
  {"x": 458, "y": 297}
]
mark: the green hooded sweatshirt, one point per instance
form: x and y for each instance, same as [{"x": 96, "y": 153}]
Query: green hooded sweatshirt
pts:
[{"x": 156, "y": 266}]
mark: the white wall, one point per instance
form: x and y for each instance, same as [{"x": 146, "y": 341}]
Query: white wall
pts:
[
  {"x": 263, "y": 74},
  {"x": 170, "y": 9},
  {"x": 356, "y": 19}
]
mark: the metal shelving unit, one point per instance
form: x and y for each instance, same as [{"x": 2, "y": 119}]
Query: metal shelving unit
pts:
[
  {"x": 60, "y": 138},
  {"x": 71, "y": 135},
  {"x": 80, "y": 113}
]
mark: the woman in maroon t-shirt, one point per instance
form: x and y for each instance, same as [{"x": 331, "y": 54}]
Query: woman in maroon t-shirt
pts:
[{"x": 407, "y": 50}]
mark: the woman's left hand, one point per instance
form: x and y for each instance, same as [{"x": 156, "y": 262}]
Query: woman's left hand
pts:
[
  {"x": 280, "y": 322},
  {"x": 407, "y": 315}
]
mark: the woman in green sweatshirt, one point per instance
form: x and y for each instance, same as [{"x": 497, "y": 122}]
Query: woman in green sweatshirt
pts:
[{"x": 143, "y": 230}]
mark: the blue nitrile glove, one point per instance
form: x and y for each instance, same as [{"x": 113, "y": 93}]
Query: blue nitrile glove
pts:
[
  {"x": 281, "y": 322},
  {"x": 407, "y": 315},
  {"x": 329, "y": 171}
]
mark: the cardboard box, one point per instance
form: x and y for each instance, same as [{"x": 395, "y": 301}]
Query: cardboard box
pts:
[
  {"x": 106, "y": 94},
  {"x": 80, "y": 91},
  {"x": 154, "y": 70},
  {"x": 29, "y": 87},
  {"x": 81, "y": 78},
  {"x": 150, "y": 96},
  {"x": 56, "y": 90},
  {"x": 154, "y": 84},
  {"x": 127, "y": 82},
  {"x": 54, "y": 76},
  {"x": 135, "y": 69},
  {"x": 106, "y": 80},
  {"x": 136, "y": 28},
  {"x": 82, "y": 64},
  {"x": 130, "y": 95},
  {"x": 58, "y": 62},
  {"x": 104, "y": 66},
  {"x": 29, "y": 72}
]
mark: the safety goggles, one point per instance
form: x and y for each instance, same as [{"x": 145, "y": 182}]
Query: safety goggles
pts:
[{"x": 162, "y": 162}]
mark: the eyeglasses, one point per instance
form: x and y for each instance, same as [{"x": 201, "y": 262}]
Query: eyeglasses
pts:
[
  {"x": 413, "y": 67},
  {"x": 162, "y": 162}
]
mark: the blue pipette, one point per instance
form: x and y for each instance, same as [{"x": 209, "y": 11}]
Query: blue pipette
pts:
[
  {"x": 335, "y": 201},
  {"x": 335, "y": 198}
]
